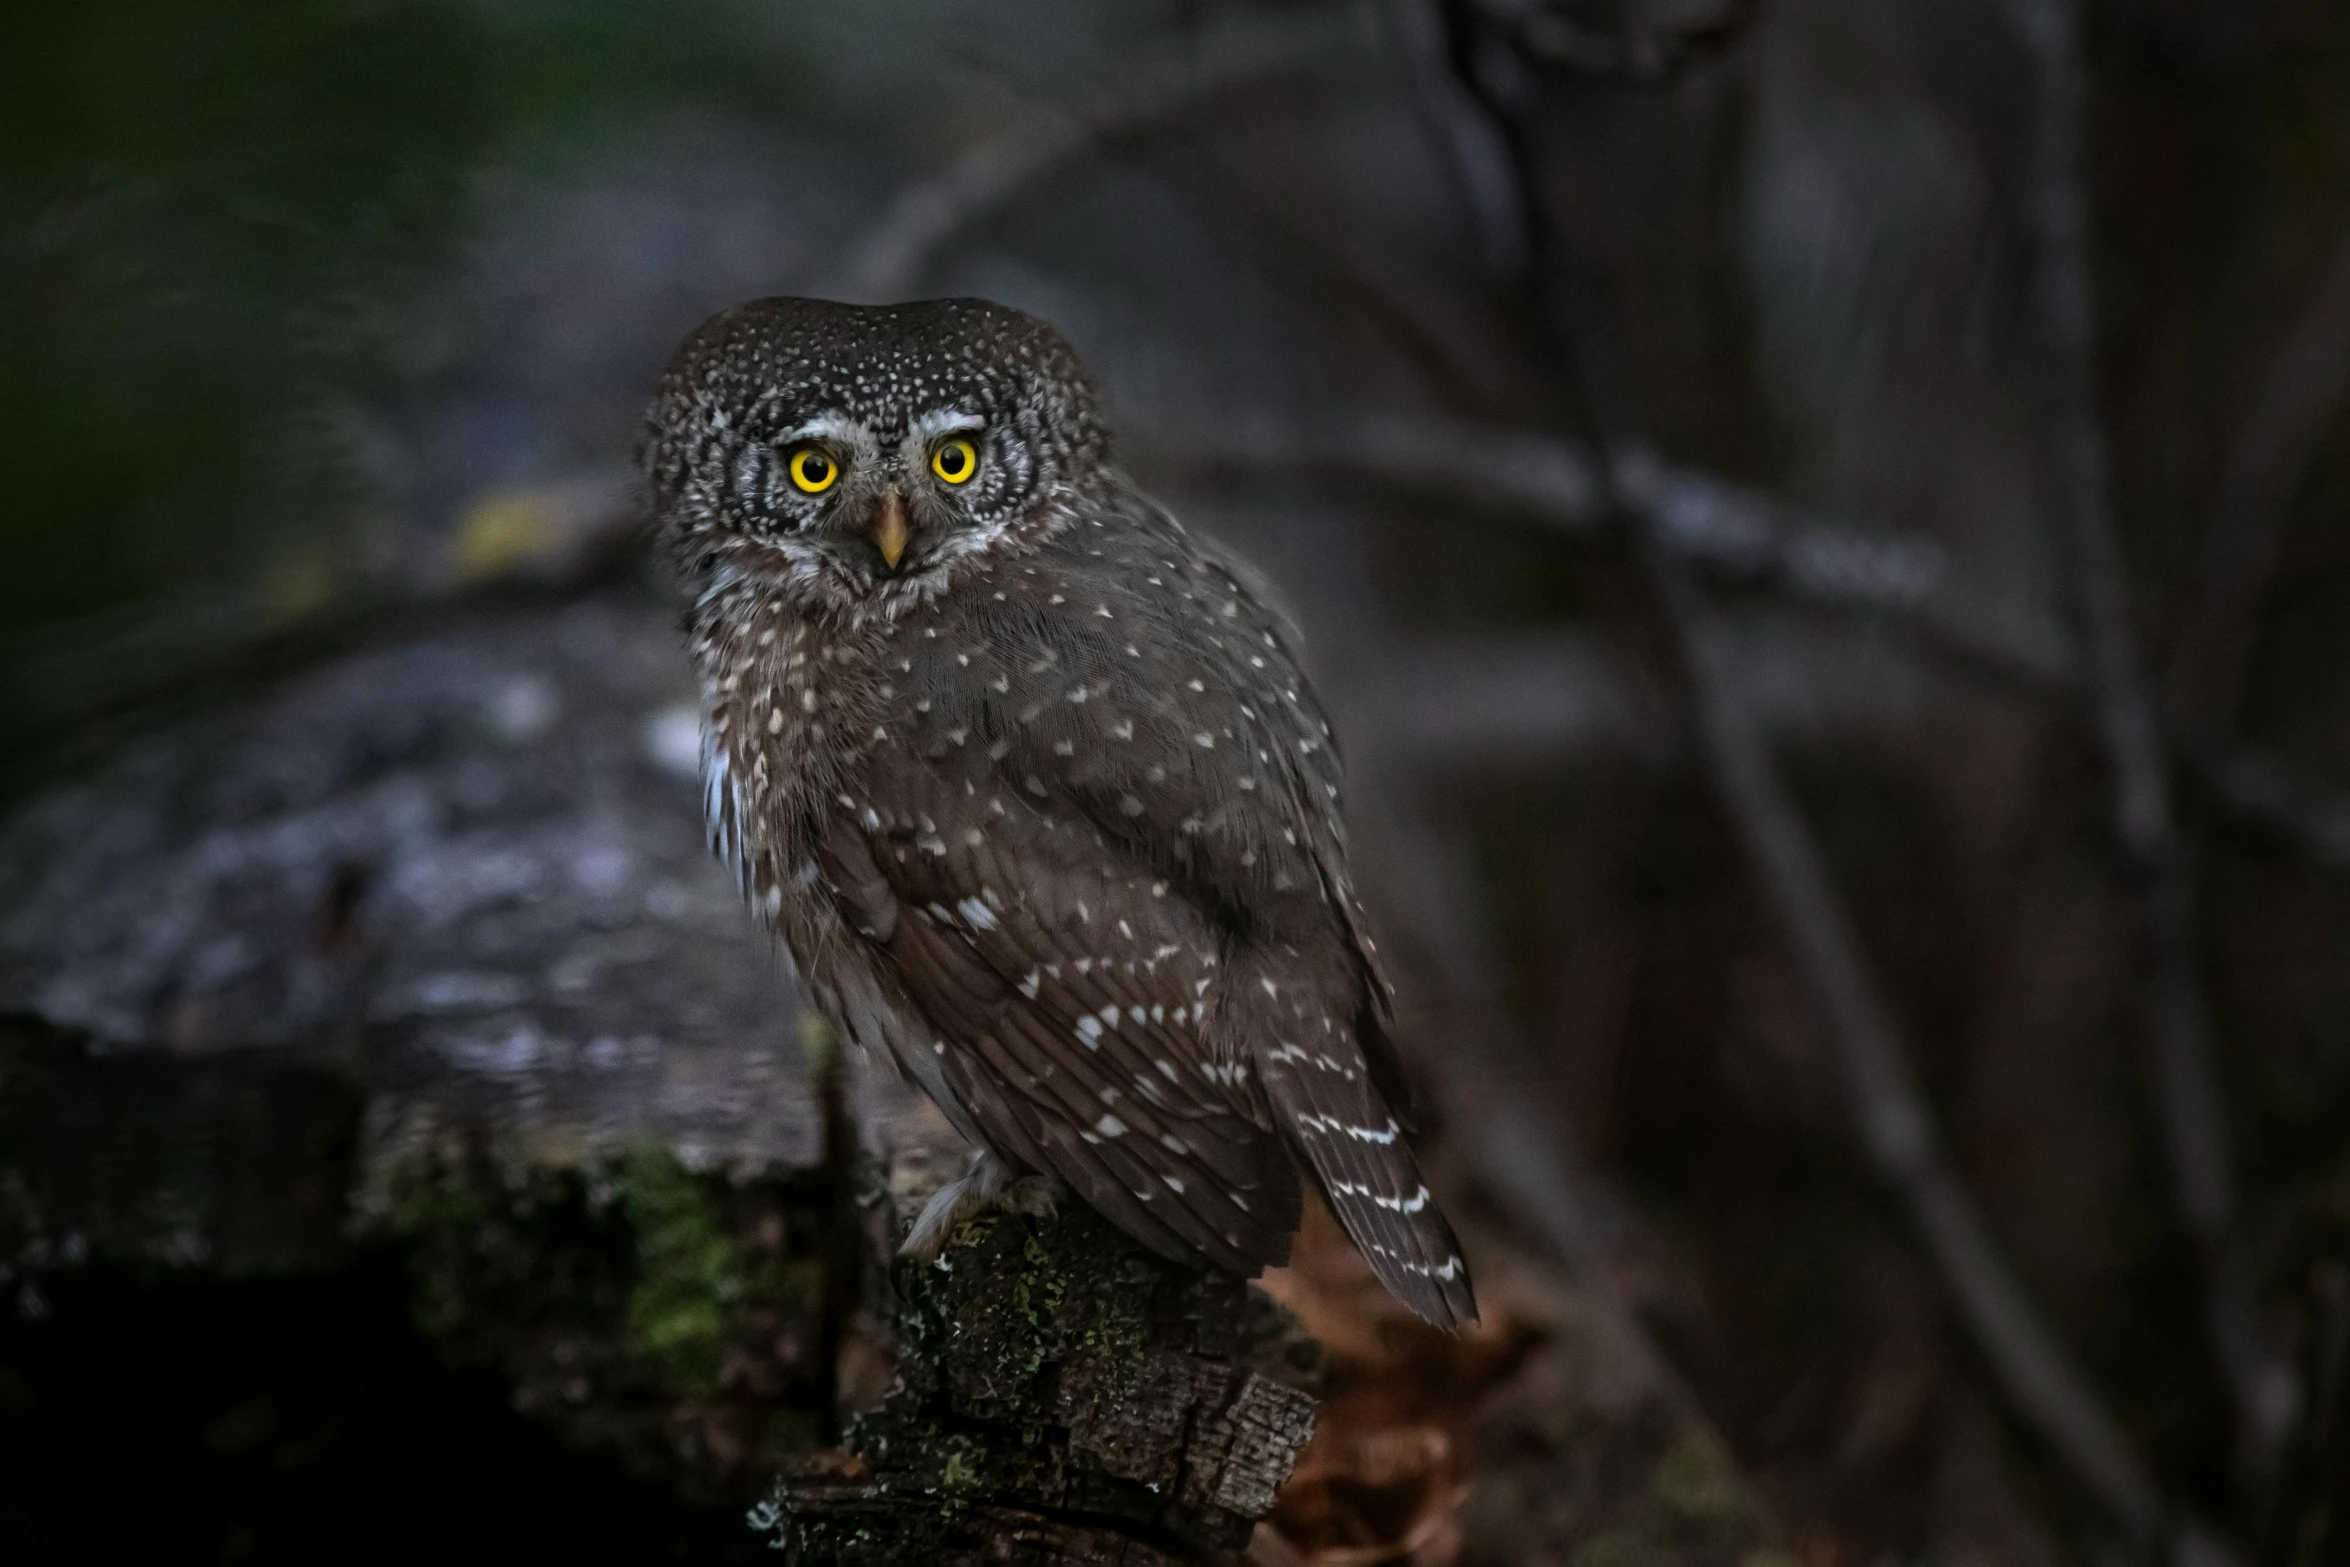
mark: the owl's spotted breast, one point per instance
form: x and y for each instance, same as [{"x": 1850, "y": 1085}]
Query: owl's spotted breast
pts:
[
  {"x": 1036, "y": 790},
  {"x": 1135, "y": 690},
  {"x": 784, "y": 699}
]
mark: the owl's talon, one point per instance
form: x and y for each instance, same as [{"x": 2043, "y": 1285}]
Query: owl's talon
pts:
[
  {"x": 1037, "y": 1196},
  {"x": 988, "y": 1185}
]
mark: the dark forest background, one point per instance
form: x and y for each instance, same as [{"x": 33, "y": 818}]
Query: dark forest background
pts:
[{"x": 1821, "y": 521}]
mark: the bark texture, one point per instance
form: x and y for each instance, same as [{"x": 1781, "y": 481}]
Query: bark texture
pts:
[{"x": 1060, "y": 1396}]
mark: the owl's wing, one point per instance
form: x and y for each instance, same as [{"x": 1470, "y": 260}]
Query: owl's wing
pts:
[
  {"x": 1066, "y": 989},
  {"x": 1340, "y": 1093},
  {"x": 1309, "y": 782}
]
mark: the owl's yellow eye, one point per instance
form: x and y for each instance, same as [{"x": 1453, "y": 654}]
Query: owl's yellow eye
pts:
[
  {"x": 954, "y": 461},
  {"x": 812, "y": 471}
]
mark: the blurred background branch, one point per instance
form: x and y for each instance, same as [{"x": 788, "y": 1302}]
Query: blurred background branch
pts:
[
  {"x": 1175, "y": 86},
  {"x": 2176, "y": 1013},
  {"x": 1888, "y": 1109},
  {"x": 1647, "y": 54}
]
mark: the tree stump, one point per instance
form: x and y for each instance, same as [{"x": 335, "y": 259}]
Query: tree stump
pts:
[
  {"x": 1061, "y": 1398},
  {"x": 1058, "y": 1395}
]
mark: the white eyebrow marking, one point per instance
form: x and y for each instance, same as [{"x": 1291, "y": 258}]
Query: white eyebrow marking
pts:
[
  {"x": 947, "y": 421},
  {"x": 837, "y": 427}
]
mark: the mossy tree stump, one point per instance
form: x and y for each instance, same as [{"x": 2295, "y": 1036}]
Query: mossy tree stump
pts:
[{"x": 1059, "y": 1395}]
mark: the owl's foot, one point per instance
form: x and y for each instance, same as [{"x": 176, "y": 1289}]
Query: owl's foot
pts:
[{"x": 988, "y": 1184}]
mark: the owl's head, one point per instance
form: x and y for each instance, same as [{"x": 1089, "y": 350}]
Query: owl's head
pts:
[{"x": 852, "y": 455}]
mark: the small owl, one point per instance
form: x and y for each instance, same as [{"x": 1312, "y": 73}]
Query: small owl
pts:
[{"x": 1031, "y": 783}]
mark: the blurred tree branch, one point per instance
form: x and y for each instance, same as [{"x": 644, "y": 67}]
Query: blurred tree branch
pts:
[
  {"x": 1887, "y": 1106},
  {"x": 2177, "y": 1019},
  {"x": 1883, "y": 580},
  {"x": 1893, "y": 1121},
  {"x": 2262, "y": 790},
  {"x": 1633, "y": 57},
  {"x": 929, "y": 214},
  {"x": 1735, "y": 533},
  {"x": 2297, "y": 400}
]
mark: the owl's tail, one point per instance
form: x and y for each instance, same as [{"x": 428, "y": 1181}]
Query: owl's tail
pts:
[{"x": 1344, "y": 1132}]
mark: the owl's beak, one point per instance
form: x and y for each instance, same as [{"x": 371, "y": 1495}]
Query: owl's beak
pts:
[{"x": 890, "y": 530}]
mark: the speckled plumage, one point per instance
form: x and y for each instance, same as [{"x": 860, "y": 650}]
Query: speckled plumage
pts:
[{"x": 1048, "y": 811}]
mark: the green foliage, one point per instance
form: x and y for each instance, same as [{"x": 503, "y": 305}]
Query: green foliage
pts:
[
  {"x": 215, "y": 213},
  {"x": 641, "y": 1307},
  {"x": 688, "y": 1274}
]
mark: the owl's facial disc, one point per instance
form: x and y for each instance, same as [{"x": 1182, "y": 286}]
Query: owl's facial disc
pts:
[
  {"x": 881, "y": 502},
  {"x": 924, "y": 504},
  {"x": 785, "y": 427}
]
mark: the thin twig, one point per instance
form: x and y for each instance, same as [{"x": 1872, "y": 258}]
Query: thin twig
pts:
[
  {"x": 1735, "y": 533},
  {"x": 2298, "y": 399},
  {"x": 1460, "y": 706},
  {"x": 1567, "y": 699},
  {"x": 1459, "y": 134},
  {"x": 930, "y": 214},
  {"x": 1892, "y": 581},
  {"x": 2257, "y": 789},
  {"x": 2121, "y": 701},
  {"x": 1895, "y": 580},
  {"x": 1889, "y": 1109},
  {"x": 1637, "y": 58}
]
